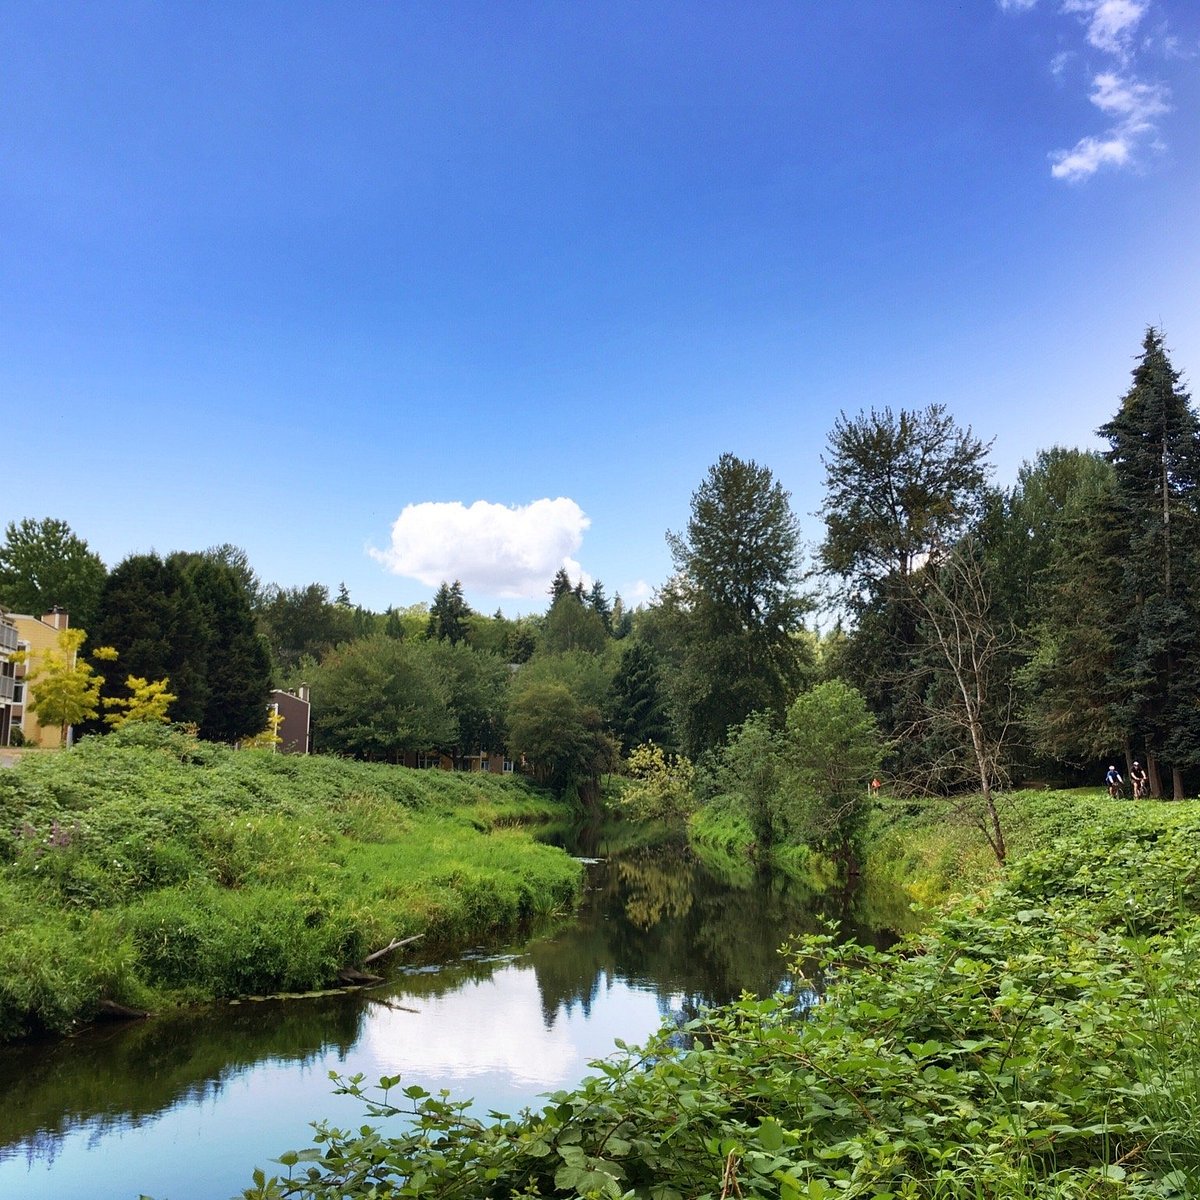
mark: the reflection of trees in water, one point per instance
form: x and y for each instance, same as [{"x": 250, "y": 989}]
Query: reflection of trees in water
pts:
[
  {"x": 119, "y": 1076},
  {"x": 656, "y": 886},
  {"x": 653, "y": 917},
  {"x": 659, "y": 919}
]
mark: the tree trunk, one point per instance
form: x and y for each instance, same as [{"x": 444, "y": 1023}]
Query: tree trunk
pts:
[
  {"x": 1177, "y": 783},
  {"x": 1155, "y": 776}
]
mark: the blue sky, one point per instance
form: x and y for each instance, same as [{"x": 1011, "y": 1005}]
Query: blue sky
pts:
[{"x": 392, "y": 292}]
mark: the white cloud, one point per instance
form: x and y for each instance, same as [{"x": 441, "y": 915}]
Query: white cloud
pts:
[
  {"x": 1110, "y": 23},
  {"x": 1060, "y": 62},
  {"x": 1132, "y": 102},
  {"x": 1088, "y": 156},
  {"x": 1134, "y": 105},
  {"x": 504, "y": 551}
]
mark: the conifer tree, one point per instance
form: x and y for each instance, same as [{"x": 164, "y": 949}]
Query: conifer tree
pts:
[
  {"x": 598, "y": 603},
  {"x": 734, "y": 604},
  {"x": 238, "y": 662},
  {"x": 638, "y": 704},
  {"x": 1155, "y": 452},
  {"x": 560, "y": 585},
  {"x": 150, "y": 615},
  {"x": 448, "y": 614}
]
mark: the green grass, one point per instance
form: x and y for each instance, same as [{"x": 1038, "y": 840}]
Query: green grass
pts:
[{"x": 150, "y": 869}]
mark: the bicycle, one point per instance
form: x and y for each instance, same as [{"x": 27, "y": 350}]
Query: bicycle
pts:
[{"x": 1141, "y": 789}]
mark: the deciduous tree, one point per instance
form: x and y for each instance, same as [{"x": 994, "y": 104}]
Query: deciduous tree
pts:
[
  {"x": 63, "y": 687},
  {"x": 148, "y": 700},
  {"x": 44, "y": 565}
]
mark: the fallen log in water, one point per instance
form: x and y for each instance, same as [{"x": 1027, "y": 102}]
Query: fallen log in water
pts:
[{"x": 395, "y": 944}]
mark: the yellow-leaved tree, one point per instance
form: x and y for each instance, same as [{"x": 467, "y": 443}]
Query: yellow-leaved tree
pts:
[
  {"x": 270, "y": 737},
  {"x": 148, "y": 700},
  {"x": 63, "y": 687}
]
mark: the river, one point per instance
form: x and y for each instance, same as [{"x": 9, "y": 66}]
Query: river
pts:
[{"x": 183, "y": 1106}]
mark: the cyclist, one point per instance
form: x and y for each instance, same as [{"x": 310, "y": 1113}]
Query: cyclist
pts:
[
  {"x": 1140, "y": 781},
  {"x": 1114, "y": 781}
]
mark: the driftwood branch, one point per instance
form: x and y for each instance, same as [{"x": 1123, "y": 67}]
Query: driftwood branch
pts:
[{"x": 395, "y": 944}]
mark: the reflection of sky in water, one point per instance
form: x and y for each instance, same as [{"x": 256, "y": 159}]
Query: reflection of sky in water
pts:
[{"x": 487, "y": 1039}]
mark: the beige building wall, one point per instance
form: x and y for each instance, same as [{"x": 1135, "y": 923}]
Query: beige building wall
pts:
[{"x": 37, "y": 634}]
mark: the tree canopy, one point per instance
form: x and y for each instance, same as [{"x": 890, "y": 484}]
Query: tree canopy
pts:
[{"x": 43, "y": 565}]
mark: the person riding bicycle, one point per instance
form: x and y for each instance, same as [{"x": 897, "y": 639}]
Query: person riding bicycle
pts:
[
  {"x": 1139, "y": 779},
  {"x": 1114, "y": 781}
]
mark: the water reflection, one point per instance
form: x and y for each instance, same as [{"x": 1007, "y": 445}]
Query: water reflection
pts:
[{"x": 659, "y": 934}]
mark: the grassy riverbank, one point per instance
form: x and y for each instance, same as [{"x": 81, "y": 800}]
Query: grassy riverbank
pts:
[
  {"x": 152, "y": 869},
  {"x": 1036, "y": 1039}
]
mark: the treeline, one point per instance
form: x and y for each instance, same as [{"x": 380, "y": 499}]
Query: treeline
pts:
[{"x": 994, "y": 634}]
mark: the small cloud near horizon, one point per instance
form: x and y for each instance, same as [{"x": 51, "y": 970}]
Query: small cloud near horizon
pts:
[{"x": 509, "y": 551}]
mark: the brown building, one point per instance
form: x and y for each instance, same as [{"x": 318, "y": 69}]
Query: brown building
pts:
[{"x": 295, "y": 730}]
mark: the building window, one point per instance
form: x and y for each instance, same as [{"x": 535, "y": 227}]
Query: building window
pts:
[{"x": 508, "y": 766}]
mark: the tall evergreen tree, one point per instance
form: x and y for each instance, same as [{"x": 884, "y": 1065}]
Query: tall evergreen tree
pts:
[
  {"x": 560, "y": 585},
  {"x": 238, "y": 671},
  {"x": 149, "y": 613},
  {"x": 1155, "y": 452},
  {"x": 735, "y": 603},
  {"x": 638, "y": 705},
  {"x": 598, "y": 602},
  {"x": 448, "y": 614}
]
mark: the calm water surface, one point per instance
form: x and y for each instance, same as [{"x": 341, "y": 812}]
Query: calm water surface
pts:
[{"x": 184, "y": 1107}]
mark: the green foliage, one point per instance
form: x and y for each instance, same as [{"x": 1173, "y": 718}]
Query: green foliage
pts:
[
  {"x": 238, "y": 661},
  {"x": 660, "y": 786},
  {"x": 803, "y": 786},
  {"x": 1155, "y": 453},
  {"x": 833, "y": 750},
  {"x": 1021, "y": 1046},
  {"x": 302, "y": 621},
  {"x": 734, "y": 604},
  {"x": 572, "y": 625},
  {"x": 449, "y": 614},
  {"x": 64, "y": 688},
  {"x": 560, "y": 735},
  {"x": 638, "y": 700},
  {"x": 150, "y": 614},
  {"x": 44, "y": 565},
  {"x": 377, "y": 698},
  {"x": 477, "y": 684},
  {"x": 148, "y": 867}
]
